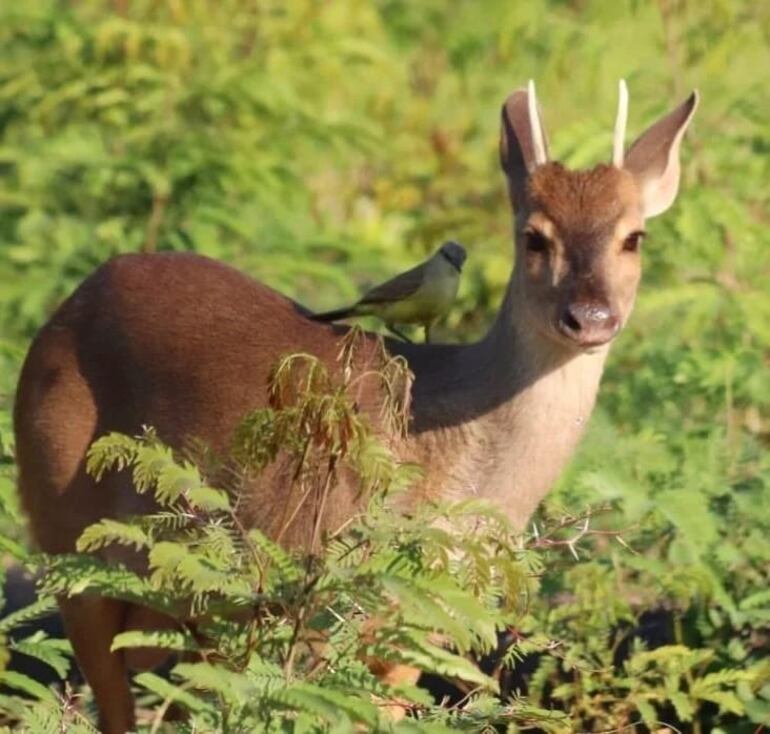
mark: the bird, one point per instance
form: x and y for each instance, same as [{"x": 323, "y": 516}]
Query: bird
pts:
[{"x": 418, "y": 296}]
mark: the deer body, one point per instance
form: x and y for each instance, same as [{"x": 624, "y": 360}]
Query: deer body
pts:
[{"x": 185, "y": 344}]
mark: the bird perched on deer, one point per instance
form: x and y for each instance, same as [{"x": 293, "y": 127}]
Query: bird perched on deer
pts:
[{"x": 421, "y": 295}]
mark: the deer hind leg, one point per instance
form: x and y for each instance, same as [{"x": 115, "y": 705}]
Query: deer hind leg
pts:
[
  {"x": 393, "y": 674},
  {"x": 142, "y": 619},
  {"x": 388, "y": 672},
  {"x": 91, "y": 623}
]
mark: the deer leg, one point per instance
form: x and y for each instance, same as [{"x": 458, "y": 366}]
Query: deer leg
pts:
[
  {"x": 91, "y": 623},
  {"x": 389, "y": 673}
]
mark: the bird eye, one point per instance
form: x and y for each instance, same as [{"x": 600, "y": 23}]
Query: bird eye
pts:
[
  {"x": 536, "y": 241},
  {"x": 633, "y": 242}
]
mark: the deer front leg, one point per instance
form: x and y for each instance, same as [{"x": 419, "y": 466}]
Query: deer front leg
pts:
[{"x": 91, "y": 623}]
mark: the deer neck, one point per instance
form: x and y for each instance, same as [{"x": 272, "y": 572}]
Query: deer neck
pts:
[{"x": 500, "y": 418}]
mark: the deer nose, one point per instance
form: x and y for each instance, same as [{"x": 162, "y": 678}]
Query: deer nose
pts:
[{"x": 588, "y": 323}]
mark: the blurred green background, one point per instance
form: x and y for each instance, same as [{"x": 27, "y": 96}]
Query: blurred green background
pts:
[{"x": 321, "y": 146}]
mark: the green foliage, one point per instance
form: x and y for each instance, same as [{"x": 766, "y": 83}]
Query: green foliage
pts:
[
  {"x": 282, "y": 635},
  {"x": 40, "y": 705},
  {"x": 319, "y": 146}
]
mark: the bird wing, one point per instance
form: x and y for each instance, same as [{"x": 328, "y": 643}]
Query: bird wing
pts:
[{"x": 396, "y": 289}]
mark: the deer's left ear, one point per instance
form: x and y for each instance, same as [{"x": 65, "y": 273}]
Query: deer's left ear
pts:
[
  {"x": 523, "y": 143},
  {"x": 653, "y": 158}
]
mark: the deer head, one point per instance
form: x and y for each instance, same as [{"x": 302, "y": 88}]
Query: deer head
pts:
[{"x": 578, "y": 233}]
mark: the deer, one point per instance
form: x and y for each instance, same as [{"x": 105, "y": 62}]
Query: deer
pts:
[{"x": 185, "y": 344}]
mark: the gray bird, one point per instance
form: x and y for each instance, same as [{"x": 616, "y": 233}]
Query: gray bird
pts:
[{"x": 419, "y": 296}]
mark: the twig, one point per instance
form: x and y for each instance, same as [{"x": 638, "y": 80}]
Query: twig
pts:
[
  {"x": 546, "y": 540},
  {"x": 159, "y": 204},
  {"x": 160, "y": 713},
  {"x": 331, "y": 473}
]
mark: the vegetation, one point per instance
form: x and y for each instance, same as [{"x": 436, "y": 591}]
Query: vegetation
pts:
[{"x": 319, "y": 146}]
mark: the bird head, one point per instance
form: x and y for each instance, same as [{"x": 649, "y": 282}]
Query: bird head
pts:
[{"x": 455, "y": 253}]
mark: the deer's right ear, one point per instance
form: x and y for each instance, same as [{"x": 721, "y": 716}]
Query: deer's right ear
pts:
[
  {"x": 653, "y": 159},
  {"x": 523, "y": 144}
]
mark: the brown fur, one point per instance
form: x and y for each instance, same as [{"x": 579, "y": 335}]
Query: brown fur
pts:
[{"x": 185, "y": 344}]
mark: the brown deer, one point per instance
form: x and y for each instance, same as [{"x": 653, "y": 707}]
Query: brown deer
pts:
[{"x": 185, "y": 344}]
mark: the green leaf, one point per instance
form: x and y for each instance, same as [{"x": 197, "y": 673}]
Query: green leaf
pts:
[
  {"x": 108, "y": 531},
  {"x": 24, "y": 683},
  {"x": 42, "y": 607},
  {"x": 208, "y": 499},
  {"x": 685, "y": 708},
  {"x": 688, "y": 511},
  {"x": 48, "y": 651},
  {"x": 164, "y": 639},
  {"x": 168, "y": 691},
  {"x": 646, "y": 711}
]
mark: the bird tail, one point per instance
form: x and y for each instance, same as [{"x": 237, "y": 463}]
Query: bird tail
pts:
[{"x": 336, "y": 315}]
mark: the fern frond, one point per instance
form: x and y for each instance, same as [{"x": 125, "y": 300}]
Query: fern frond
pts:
[
  {"x": 41, "y": 607},
  {"x": 236, "y": 689},
  {"x": 109, "y": 531},
  {"x": 165, "y": 639},
  {"x": 113, "y": 451},
  {"x": 21, "y": 682},
  {"x": 168, "y": 691},
  {"x": 209, "y": 499},
  {"x": 335, "y": 707},
  {"x": 54, "y": 653}
]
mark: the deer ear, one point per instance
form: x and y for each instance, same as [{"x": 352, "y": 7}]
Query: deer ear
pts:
[
  {"x": 523, "y": 143},
  {"x": 653, "y": 159}
]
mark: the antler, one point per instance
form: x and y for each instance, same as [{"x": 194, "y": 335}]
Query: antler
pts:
[
  {"x": 535, "y": 126},
  {"x": 620, "y": 125}
]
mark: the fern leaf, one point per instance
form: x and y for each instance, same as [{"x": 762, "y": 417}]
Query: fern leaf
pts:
[
  {"x": 114, "y": 450},
  {"x": 334, "y": 706},
  {"x": 168, "y": 691},
  {"x": 718, "y": 678},
  {"x": 683, "y": 704},
  {"x": 164, "y": 639},
  {"x": 236, "y": 689},
  {"x": 646, "y": 711},
  {"x": 174, "y": 480},
  {"x": 47, "y": 651},
  {"x": 31, "y": 687},
  {"x": 728, "y": 701},
  {"x": 41, "y": 607},
  {"x": 109, "y": 531},
  {"x": 286, "y": 566},
  {"x": 208, "y": 499}
]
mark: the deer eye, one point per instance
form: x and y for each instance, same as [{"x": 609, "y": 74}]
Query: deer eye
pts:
[
  {"x": 633, "y": 242},
  {"x": 536, "y": 241}
]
